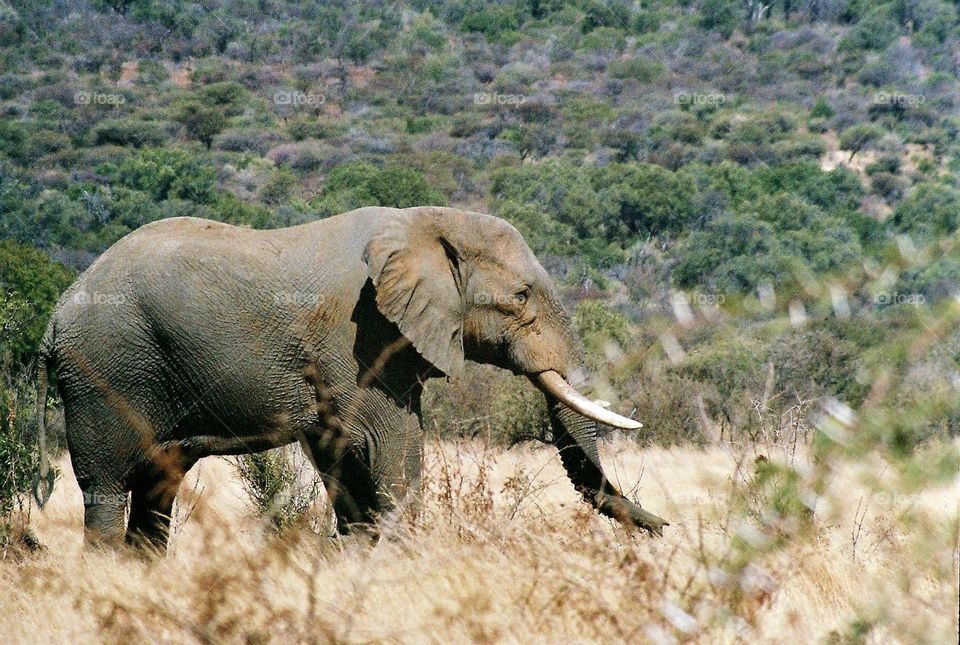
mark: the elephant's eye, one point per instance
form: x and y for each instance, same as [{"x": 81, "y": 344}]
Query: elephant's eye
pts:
[{"x": 521, "y": 296}]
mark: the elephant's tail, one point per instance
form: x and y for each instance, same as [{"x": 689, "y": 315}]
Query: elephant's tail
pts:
[{"x": 44, "y": 480}]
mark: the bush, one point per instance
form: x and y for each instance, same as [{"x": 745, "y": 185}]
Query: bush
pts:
[
  {"x": 928, "y": 210},
  {"x": 936, "y": 280},
  {"x": 875, "y": 31},
  {"x": 201, "y": 121},
  {"x": 167, "y": 174},
  {"x": 19, "y": 459},
  {"x": 300, "y": 129},
  {"x": 821, "y": 110},
  {"x": 282, "y": 485},
  {"x": 720, "y": 16},
  {"x": 493, "y": 21},
  {"x": 128, "y": 132},
  {"x": 279, "y": 186},
  {"x": 860, "y": 136},
  {"x": 360, "y": 184},
  {"x": 817, "y": 361},
  {"x": 304, "y": 156},
  {"x": 19, "y": 462},
  {"x": 602, "y": 332},
  {"x": 228, "y": 95},
  {"x": 888, "y": 185},
  {"x": 776, "y": 238},
  {"x": 405, "y": 187},
  {"x": 646, "y": 199},
  {"x": 30, "y": 285},
  {"x": 247, "y": 140},
  {"x": 151, "y": 72},
  {"x": 489, "y": 403}
]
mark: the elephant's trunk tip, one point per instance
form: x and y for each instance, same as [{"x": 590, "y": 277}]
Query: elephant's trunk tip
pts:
[{"x": 554, "y": 384}]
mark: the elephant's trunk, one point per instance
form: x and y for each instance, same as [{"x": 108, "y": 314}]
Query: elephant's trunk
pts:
[
  {"x": 554, "y": 384},
  {"x": 575, "y": 436}
]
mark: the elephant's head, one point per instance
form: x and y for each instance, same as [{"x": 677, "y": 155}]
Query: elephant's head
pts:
[{"x": 464, "y": 285}]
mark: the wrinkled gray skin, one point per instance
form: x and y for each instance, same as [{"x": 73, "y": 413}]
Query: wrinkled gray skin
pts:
[{"x": 191, "y": 338}]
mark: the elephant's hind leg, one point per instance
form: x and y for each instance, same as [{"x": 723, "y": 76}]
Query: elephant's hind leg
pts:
[
  {"x": 154, "y": 488},
  {"x": 104, "y": 514}
]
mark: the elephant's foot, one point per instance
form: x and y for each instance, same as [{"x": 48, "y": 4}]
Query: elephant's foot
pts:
[{"x": 629, "y": 514}]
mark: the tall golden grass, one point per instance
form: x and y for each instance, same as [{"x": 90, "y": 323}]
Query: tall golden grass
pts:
[{"x": 502, "y": 550}]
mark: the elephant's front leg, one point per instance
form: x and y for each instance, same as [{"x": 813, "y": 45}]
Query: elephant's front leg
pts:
[
  {"x": 343, "y": 464},
  {"x": 396, "y": 463},
  {"x": 370, "y": 463}
]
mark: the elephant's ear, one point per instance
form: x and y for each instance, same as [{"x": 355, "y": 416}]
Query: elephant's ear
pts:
[{"x": 416, "y": 272}]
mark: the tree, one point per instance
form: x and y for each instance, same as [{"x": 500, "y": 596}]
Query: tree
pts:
[
  {"x": 202, "y": 122},
  {"x": 30, "y": 285},
  {"x": 859, "y": 136},
  {"x": 719, "y": 16}
]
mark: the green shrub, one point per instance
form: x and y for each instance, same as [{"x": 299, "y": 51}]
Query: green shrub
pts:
[
  {"x": 488, "y": 403},
  {"x": 45, "y": 142},
  {"x": 492, "y": 21},
  {"x": 837, "y": 189},
  {"x": 612, "y": 13},
  {"x": 359, "y": 184},
  {"x": 775, "y": 239},
  {"x": 860, "y": 136},
  {"x": 19, "y": 461},
  {"x": 598, "y": 327},
  {"x": 875, "y": 31},
  {"x": 228, "y": 95},
  {"x": 201, "y": 121},
  {"x": 303, "y": 128},
  {"x": 720, "y": 16},
  {"x": 405, "y": 187},
  {"x": 935, "y": 280},
  {"x": 128, "y": 132},
  {"x": 13, "y": 137},
  {"x": 816, "y": 361},
  {"x": 167, "y": 174},
  {"x": 821, "y": 110},
  {"x": 282, "y": 487},
  {"x": 928, "y": 210},
  {"x": 279, "y": 186},
  {"x": 151, "y": 72},
  {"x": 30, "y": 285}
]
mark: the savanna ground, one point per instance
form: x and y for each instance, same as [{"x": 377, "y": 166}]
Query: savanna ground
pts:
[{"x": 502, "y": 550}]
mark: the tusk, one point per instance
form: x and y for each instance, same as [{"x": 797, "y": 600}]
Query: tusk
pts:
[{"x": 552, "y": 383}]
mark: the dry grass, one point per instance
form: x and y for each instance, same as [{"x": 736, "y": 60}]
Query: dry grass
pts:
[{"x": 503, "y": 551}]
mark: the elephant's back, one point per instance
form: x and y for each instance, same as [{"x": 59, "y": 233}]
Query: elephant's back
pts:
[{"x": 180, "y": 307}]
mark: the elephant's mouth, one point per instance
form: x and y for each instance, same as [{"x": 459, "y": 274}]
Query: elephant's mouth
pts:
[{"x": 552, "y": 383}]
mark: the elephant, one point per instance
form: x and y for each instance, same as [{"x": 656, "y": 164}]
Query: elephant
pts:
[{"x": 190, "y": 338}]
